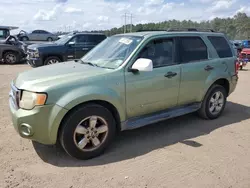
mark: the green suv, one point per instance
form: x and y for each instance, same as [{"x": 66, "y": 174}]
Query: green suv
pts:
[{"x": 125, "y": 82}]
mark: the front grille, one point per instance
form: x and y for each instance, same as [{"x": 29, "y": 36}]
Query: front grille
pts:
[
  {"x": 15, "y": 96},
  {"x": 30, "y": 52}
]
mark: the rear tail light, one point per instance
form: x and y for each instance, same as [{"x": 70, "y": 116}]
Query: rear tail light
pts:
[
  {"x": 240, "y": 55},
  {"x": 237, "y": 66}
]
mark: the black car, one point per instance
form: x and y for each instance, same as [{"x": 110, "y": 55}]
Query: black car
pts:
[
  {"x": 70, "y": 47},
  {"x": 12, "y": 50}
]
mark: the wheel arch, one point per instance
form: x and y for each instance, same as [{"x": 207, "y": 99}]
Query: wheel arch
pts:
[
  {"x": 224, "y": 82},
  {"x": 109, "y": 106}
]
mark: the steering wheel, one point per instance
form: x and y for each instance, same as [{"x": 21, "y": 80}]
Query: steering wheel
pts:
[{"x": 9, "y": 39}]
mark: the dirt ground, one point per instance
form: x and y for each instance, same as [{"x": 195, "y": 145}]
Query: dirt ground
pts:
[{"x": 182, "y": 152}]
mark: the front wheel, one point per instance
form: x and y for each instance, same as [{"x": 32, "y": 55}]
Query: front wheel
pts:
[
  {"x": 52, "y": 60},
  {"x": 87, "y": 131},
  {"x": 10, "y": 58},
  {"x": 49, "y": 39},
  {"x": 214, "y": 102}
]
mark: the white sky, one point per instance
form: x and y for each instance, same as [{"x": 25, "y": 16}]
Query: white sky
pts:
[{"x": 53, "y": 15}]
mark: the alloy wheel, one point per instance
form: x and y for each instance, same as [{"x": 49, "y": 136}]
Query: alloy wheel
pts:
[
  {"x": 10, "y": 58},
  {"x": 90, "y": 133},
  {"x": 52, "y": 61},
  {"x": 216, "y": 103}
]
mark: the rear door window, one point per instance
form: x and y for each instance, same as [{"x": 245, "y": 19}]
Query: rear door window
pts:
[
  {"x": 95, "y": 39},
  {"x": 192, "y": 49},
  {"x": 221, "y": 46}
]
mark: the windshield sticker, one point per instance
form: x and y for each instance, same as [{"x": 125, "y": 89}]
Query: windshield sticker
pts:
[{"x": 125, "y": 41}]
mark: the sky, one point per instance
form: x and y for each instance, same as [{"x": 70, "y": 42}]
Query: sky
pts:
[{"x": 68, "y": 15}]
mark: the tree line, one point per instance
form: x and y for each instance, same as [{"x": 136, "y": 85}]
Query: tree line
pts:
[{"x": 236, "y": 27}]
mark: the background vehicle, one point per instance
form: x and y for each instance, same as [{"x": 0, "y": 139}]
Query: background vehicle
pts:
[
  {"x": 12, "y": 50},
  {"x": 245, "y": 43},
  {"x": 5, "y": 31},
  {"x": 237, "y": 46},
  {"x": 125, "y": 82},
  {"x": 37, "y": 35},
  {"x": 70, "y": 47},
  {"x": 244, "y": 57}
]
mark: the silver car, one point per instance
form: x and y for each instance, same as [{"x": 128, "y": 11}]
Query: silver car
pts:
[{"x": 37, "y": 35}]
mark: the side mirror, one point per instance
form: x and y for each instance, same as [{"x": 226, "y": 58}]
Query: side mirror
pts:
[{"x": 143, "y": 64}]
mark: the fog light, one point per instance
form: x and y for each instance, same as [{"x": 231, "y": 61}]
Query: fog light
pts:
[{"x": 26, "y": 130}]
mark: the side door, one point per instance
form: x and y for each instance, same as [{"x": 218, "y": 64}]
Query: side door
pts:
[
  {"x": 149, "y": 92},
  {"x": 81, "y": 46},
  {"x": 34, "y": 35},
  {"x": 197, "y": 66},
  {"x": 43, "y": 35},
  {"x": 70, "y": 49}
]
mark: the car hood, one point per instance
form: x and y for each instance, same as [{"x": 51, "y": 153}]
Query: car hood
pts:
[
  {"x": 47, "y": 44},
  {"x": 42, "y": 78}
]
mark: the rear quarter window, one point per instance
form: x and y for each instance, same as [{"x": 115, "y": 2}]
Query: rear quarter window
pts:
[{"x": 221, "y": 46}]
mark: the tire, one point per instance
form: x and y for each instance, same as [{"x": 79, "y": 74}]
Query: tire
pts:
[
  {"x": 52, "y": 60},
  {"x": 10, "y": 58},
  {"x": 24, "y": 38},
  {"x": 49, "y": 39},
  {"x": 69, "y": 138},
  {"x": 205, "y": 110}
]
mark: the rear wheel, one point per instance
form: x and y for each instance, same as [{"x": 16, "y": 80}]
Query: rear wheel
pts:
[
  {"x": 24, "y": 39},
  {"x": 10, "y": 58},
  {"x": 52, "y": 60},
  {"x": 214, "y": 102},
  {"x": 87, "y": 131}
]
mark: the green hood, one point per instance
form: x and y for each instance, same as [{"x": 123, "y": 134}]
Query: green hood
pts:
[{"x": 42, "y": 78}]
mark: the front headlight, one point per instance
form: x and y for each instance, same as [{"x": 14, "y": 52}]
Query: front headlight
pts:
[
  {"x": 30, "y": 99},
  {"x": 36, "y": 53}
]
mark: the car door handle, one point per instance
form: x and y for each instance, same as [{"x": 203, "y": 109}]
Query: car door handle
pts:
[
  {"x": 208, "y": 68},
  {"x": 84, "y": 48},
  {"x": 170, "y": 74}
]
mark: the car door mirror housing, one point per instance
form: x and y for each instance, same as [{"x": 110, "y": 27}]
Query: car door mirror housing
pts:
[{"x": 142, "y": 64}]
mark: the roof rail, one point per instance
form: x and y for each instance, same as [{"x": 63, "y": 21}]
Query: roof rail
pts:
[
  {"x": 191, "y": 29},
  {"x": 145, "y": 30}
]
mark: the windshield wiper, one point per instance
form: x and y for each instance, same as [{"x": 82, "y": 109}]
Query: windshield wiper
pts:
[
  {"x": 92, "y": 64},
  {"x": 89, "y": 63}
]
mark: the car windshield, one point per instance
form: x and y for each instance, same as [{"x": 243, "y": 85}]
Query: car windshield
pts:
[
  {"x": 64, "y": 39},
  {"x": 112, "y": 52}
]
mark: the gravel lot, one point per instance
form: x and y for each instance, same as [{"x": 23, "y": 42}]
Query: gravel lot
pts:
[{"x": 182, "y": 152}]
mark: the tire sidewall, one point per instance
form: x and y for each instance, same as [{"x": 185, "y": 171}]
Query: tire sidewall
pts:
[
  {"x": 211, "y": 93},
  {"x": 70, "y": 124}
]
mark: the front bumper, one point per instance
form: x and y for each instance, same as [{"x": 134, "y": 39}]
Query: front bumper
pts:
[
  {"x": 42, "y": 122},
  {"x": 34, "y": 62}
]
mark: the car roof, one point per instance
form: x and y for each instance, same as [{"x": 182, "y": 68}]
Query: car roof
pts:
[
  {"x": 8, "y": 27},
  {"x": 177, "y": 33},
  {"x": 86, "y": 33}
]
